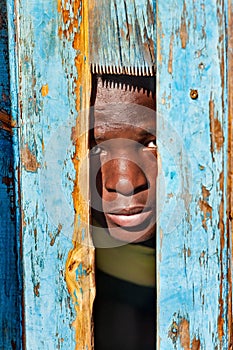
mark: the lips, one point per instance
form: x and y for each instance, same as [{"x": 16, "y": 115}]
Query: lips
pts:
[{"x": 129, "y": 217}]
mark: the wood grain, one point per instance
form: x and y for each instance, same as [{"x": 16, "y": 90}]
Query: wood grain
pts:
[
  {"x": 122, "y": 36},
  {"x": 193, "y": 143}
]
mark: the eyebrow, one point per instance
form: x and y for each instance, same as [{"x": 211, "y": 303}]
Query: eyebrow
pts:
[
  {"x": 146, "y": 132},
  {"x": 143, "y": 133}
]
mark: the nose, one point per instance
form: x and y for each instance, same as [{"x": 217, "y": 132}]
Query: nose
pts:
[{"x": 124, "y": 177}]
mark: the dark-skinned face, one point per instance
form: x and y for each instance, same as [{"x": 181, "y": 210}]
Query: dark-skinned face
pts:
[{"x": 124, "y": 164}]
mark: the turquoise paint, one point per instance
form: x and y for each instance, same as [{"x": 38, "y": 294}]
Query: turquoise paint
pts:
[
  {"x": 76, "y": 297},
  {"x": 44, "y": 122},
  {"x": 130, "y": 27},
  {"x": 189, "y": 267},
  {"x": 80, "y": 272}
]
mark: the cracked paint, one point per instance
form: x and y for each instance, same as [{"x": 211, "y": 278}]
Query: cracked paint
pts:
[
  {"x": 205, "y": 207},
  {"x": 81, "y": 286},
  {"x": 216, "y": 132},
  {"x": 29, "y": 160}
]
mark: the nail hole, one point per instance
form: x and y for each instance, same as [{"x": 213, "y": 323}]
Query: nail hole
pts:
[{"x": 193, "y": 94}]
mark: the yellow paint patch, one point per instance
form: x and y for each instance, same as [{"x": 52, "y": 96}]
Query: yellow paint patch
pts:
[{"x": 45, "y": 90}]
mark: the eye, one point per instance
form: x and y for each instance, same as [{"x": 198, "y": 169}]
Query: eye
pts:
[
  {"x": 151, "y": 145},
  {"x": 96, "y": 150}
]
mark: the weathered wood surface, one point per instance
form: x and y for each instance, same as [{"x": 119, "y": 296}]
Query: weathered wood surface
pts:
[
  {"x": 50, "y": 71},
  {"x": 10, "y": 291},
  {"x": 193, "y": 141},
  {"x": 122, "y": 36},
  {"x": 51, "y": 64},
  {"x": 230, "y": 166}
]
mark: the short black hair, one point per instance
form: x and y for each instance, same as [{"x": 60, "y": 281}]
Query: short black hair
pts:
[{"x": 124, "y": 82}]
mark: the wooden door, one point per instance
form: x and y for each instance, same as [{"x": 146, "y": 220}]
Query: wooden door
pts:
[{"x": 49, "y": 79}]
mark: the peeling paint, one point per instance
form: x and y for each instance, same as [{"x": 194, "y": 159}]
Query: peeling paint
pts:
[
  {"x": 29, "y": 160},
  {"x": 6, "y": 122},
  {"x": 184, "y": 334},
  {"x": 216, "y": 132},
  {"x": 45, "y": 90},
  {"x": 205, "y": 207},
  {"x": 196, "y": 344},
  {"x": 53, "y": 237},
  {"x": 130, "y": 27},
  {"x": 229, "y": 226},
  {"x": 170, "y": 54},
  {"x": 81, "y": 287},
  {"x": 221, "y": 321},
  {"x": 183, "y": 28},
  {"x": 36, "y": 289}
]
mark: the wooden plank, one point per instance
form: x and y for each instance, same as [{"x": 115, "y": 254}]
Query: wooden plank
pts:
[
  {"x": 193, "y": 141},
  {"x": 122, "y": 36},
  {"x": 10, "y": 332},
  {"x": 4, "y": 60},
  {"x": 52, "y": 62},
  {"x": 230, "y": 167}
]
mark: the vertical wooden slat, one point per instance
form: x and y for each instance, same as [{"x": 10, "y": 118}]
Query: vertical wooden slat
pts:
[
  {"x": 230, "y": 167},
  {"x": 10, "y": 330},
  {"x": 122, "y": 36},
  {"x": 53, "y": 85},
  {"x": 80, "y": 262},
  {"x": 193, "y": 140}
]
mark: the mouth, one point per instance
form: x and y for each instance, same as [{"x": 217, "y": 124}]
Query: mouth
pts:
[{"x": 129, "y": 217}]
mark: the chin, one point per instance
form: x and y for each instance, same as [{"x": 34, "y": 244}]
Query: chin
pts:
[{"x": 130, "y": 236}]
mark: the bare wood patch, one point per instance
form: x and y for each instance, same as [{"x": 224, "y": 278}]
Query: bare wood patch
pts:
[
  {"x": 6, "y": 122},
  {"x": 79, "y": 273},
  {"x": 170, "y": 60},
  {"x": 29, "y": 160},
  {"x": 205, "y": 207},
  {"x": 196, "y": 344},
  {"x": 184, "y": 334},
  {"x": 216, "y": 131},
  {"x": 230, "y": 168},
  {"x": 183, "y": 28}
]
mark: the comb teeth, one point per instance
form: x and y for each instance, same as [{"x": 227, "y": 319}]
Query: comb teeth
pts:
[
  {"x": 129, "y": 82},
  {"x": 148, "y": 71}
]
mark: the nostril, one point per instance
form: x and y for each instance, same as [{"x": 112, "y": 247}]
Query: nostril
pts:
[
  {"x": 125, "y": 187},
  {"x": 141, "y": 188}
]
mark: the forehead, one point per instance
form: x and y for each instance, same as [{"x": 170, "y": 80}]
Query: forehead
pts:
[{"x": 116, "y": 108}]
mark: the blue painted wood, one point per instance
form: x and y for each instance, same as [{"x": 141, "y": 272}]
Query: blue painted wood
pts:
[
  {"x": 193, "y": 141},
  {"x": 122, "y": 36},
  {"x": 44, "y": 118},
  {"x": 10, "y": 323},
  {"x": 10, "y": 292},
  {"x": 4, "y": 60}
]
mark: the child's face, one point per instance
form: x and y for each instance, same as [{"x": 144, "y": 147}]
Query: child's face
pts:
[{"x": 124, "y": 151}]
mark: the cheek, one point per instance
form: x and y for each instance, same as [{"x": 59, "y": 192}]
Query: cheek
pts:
[{"x": 149, "y": 165}]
